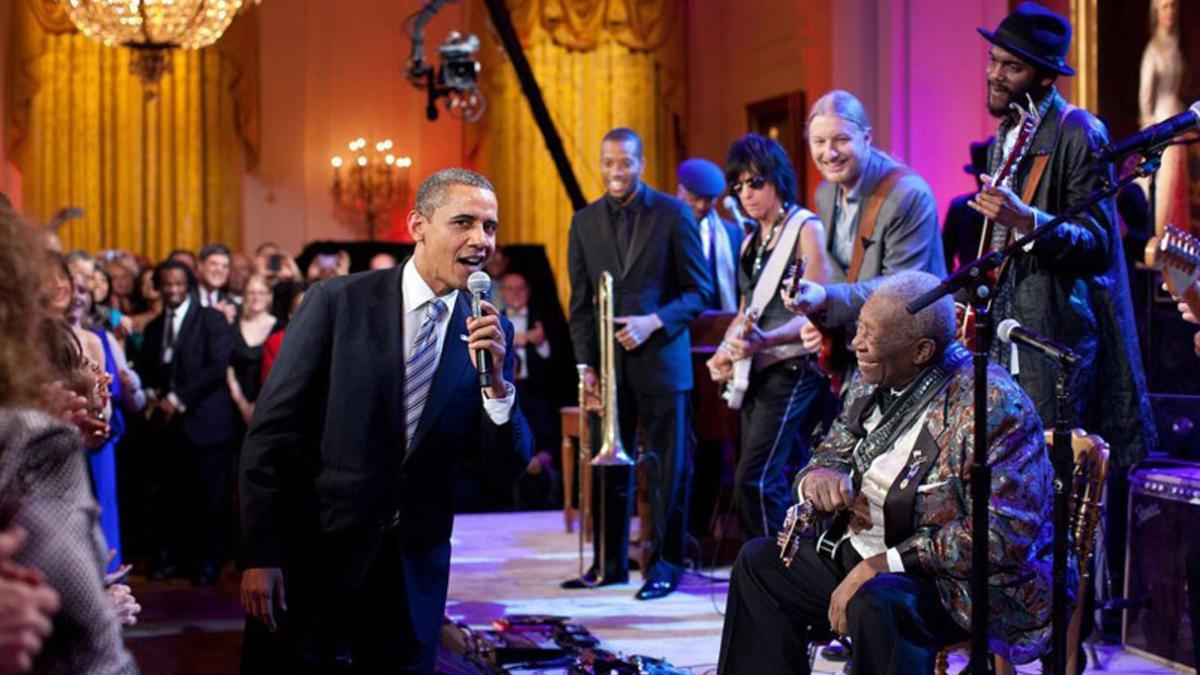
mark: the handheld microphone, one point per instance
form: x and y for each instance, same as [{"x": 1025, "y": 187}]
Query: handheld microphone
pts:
[
  {"x": 1010, "y": 331},
  {"x": 480, "y": 284},
  {"x": 1152, "y": 137}
]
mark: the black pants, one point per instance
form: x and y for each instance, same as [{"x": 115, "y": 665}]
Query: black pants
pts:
[
  {"x": 775, "y": 408},
  {"x": 666, "y": 422},
  {"x": 189, "y": 500},
  {"x": 331, "y": 630},
  {"x": 897, "y": 623}
]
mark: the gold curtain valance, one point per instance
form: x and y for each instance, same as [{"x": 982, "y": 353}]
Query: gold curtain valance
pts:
[{"x": 580, "y": 25}]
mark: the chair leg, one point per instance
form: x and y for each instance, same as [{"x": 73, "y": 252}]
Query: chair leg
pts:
[{"x": 568, "y": 482}]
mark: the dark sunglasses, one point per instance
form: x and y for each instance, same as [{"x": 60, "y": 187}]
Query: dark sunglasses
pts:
[{"x": 755, "y": 183}]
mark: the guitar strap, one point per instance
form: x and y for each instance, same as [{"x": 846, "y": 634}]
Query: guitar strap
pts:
[
  {"x": 866, "y": 225},
  {"x": 1038, "y": 167},
  {"x": 767, "y": 286}
]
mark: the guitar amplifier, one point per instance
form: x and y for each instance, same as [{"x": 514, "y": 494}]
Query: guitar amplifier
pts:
[{"x": 1164, "y": 523}]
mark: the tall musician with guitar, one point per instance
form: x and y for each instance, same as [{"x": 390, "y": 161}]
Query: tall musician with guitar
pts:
[
  {"x": 1071, "y": 286},
  {"x": 881, "y": 218},
  {"x": 778, "y": 382}
]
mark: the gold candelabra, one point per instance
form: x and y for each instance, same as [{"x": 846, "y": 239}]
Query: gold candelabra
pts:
[{"x": 370, "y": 185}]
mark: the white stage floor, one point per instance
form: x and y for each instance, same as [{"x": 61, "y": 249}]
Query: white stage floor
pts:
[{"x": 512, "y": 563}]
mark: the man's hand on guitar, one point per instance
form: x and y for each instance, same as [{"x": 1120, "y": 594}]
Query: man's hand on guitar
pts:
[
  {"x": 749, "y": 344},
  {"x": 808, "y": 299},
  {"x": 720, "y": 366},
  {"x": 829, "y": 491},
  {"x": 1186, "y": 313},
  {"x": 1002, "y": 205},
  {"x": 810, "y": 337},
  {"x": 637, "y": 329}
]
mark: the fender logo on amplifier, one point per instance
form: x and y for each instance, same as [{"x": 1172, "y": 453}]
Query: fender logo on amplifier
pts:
[{"x": 1145, "y": 512}]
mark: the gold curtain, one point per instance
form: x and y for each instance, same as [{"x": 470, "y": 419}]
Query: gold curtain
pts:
[
  {"x": 151, "y": 175},
  {"x": 600, "y": 64}
]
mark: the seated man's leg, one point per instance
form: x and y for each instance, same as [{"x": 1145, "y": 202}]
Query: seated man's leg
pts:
[
  {"x": 771, "y": 607},
  {"x": 898, "y": 624}
]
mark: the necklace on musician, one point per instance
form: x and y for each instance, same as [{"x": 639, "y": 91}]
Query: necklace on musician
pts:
[{"x": 761, "y": 249}]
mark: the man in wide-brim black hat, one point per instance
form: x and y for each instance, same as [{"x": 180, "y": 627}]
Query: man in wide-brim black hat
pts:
[{"x": 1072, "y": 285}]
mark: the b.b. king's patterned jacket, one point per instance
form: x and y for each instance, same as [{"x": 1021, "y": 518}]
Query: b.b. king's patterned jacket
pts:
[{"x": 928, "y": 520}]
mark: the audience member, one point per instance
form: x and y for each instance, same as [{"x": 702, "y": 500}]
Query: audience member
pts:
[
  {"x": 383, "y": 261},
  {"x": 43, "y": 483},
  {"x": 184, "y": 256},
  {"x": 294, "y": 296},
  {"x": 241, "y": 266},
  {"x": 184, "y": 358},
  {"x": 121, "y": 278},
  {"x": 535, "y": 391},
  {"x": 124, "y": 390},
  {"x": 213, "y": 275},
  {"x": 27, "y": 605},
  {"x": 256, "y": 324},
  {"x": 327, "y": 266}
]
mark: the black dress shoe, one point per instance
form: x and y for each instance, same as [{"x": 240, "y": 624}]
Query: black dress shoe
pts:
[
  {"x": 590, "y": 579},
  {"x": 655, "y": 588}
]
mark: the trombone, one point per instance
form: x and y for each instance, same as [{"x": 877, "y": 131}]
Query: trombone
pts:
[{"x": 612, "y": 452}]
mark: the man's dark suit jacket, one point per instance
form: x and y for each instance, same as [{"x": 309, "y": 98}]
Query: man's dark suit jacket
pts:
[
  {"x": 325, "y": 471},
  {"x": 665, "y": 274},
  {"x": 196, "y": 373}
]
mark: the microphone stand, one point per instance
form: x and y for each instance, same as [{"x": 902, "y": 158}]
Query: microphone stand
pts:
[
  {"x": 974, "y": 279},
  {"x": 1063, "y": 458}
]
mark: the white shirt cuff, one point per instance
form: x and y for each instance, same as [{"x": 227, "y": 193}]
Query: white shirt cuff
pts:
[
  {"x": 543, "y": 350},
  {"x": 179, "y": 406},
  {"x": 499, "y": 410},
  {"x": 895, "y": 563}
]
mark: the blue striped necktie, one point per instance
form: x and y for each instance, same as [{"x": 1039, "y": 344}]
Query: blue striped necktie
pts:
[{"x": 420, "y": 367}]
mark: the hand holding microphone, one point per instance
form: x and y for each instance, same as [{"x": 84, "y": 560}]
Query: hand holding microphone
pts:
[{"x": 485, "y": 337}]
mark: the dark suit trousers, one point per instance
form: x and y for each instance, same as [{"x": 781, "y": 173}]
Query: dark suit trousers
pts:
[
  {"x": 331, "y": 630},
  {"x": 897, "y": 623},
  {"x": 666, "y": 423},
  {"x": 189, "y": 490},
  {"x": 773, "y": 412}
]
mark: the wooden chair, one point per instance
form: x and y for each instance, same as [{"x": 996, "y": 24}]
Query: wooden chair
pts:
[{"x": 1086, "y": 505}]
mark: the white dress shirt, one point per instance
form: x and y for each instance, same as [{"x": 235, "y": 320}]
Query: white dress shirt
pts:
[
  {"x": 417, "y": 295},
  {"x": 520, "y": 322},
  {"x": 168, "y": 354},
  {"x": 844, "y": 230}
]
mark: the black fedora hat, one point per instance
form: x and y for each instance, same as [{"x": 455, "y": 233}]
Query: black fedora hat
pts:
[{"x": 1036, "y": 35}]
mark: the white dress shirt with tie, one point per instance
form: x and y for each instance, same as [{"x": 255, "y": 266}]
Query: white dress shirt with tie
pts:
[
  {"x": 417, "y": 294},
  {"x": 520, "y": 321}
]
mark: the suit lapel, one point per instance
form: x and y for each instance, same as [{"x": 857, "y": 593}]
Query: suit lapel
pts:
[
  {"x": 452, "y": 363},
  {"x": 385, "y": 317}
]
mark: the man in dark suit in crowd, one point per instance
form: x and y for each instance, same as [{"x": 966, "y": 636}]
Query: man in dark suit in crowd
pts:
[
  {"x": 213, "y": 273},
  {"x": 185, "y": 355},
  {"x": 701, "y": 184},
  {"x": 651, "y": 245},
  {"x": 348, "y": 469}
]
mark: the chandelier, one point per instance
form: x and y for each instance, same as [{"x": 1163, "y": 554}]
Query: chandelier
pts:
[
  {"x": 152, "y": 28},
  {"x": 373, "y": 184}
]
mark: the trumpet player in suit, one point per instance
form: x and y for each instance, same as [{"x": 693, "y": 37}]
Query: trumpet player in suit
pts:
[{"x": 648, "y": 241}]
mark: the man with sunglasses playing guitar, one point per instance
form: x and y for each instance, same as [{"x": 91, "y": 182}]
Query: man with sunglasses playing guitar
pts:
[
  {"x": 779, "y": 384},
  {"x": 881, "y": 219}
]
